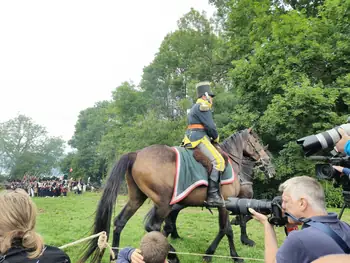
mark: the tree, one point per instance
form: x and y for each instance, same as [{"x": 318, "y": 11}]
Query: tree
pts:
[
  {"x": 128, "y": 103},
  {"x": 92, "y": 124},
  {"x": 25, "y": 147},
  {"x": 310, "y": 7},
  {"x": 185, "y": 56}
]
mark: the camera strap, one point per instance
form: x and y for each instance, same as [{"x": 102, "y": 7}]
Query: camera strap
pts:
[
  {"x": 329, "y": 231},
  {"x": 325, "y": 229}
]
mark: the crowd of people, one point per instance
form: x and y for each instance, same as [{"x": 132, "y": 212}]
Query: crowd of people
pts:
[{"x": 47, "y": 187}]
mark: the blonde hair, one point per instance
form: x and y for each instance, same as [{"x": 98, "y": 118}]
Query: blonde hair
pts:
[
  {"x": 17, "y": 220},
  {"x": 305, "y": 186}
]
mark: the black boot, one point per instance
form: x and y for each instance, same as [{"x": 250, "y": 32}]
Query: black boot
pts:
[{"x": 214, "y": 197}]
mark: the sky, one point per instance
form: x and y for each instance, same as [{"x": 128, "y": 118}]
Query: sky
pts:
[{"x": 60, "y": 57}]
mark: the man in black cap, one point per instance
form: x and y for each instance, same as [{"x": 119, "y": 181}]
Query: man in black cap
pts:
[{"x": 200, "y": 131}]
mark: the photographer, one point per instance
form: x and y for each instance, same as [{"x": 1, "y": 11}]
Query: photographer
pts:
[
  {"x": 343, "y": 170},
  {"x": 343, "y": 146},
  {"x": 303, "y": 200}
]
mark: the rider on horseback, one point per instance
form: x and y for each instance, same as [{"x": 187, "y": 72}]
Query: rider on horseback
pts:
[{"x": 200, "y": 131}]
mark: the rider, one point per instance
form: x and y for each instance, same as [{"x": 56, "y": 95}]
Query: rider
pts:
[{"x": 200, "y": 131}]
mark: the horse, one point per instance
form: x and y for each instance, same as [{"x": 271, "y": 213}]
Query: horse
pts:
[
  {"x": 150, "y": 173},
  {"x": 246, "y": 177}
]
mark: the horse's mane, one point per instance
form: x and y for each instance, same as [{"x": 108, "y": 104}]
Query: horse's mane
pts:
[
  {"x": 236, "y": 139},
  {"x": 261, "y": 142},
  {"x": 234, "y": 144}
]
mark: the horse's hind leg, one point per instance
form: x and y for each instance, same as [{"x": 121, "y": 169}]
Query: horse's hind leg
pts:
[
  {"x": 242, "y": 221},
  {"x": 225, "y": 229},
  {"x": 244, "y": 236},
  {"x": 136, "y": 199},
  {"x": 246, "y": 191},
  {"x": 170, "y": 222}
]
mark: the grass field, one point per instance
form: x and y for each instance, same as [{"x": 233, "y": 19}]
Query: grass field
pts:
[{"x": 64, "y": 220}]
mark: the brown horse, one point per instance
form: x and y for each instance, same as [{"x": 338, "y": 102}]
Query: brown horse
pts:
[
  {"x": 246, "y": 178},
  {"x": 150, "y": 173}
]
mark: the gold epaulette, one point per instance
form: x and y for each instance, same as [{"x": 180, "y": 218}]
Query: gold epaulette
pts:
[{"x": 204, "y": 107}]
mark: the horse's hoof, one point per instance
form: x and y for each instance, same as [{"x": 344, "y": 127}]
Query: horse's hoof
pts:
[
  {"x": 248, "y": 242},
  {"x": 174, "y": 260},
  {"x": 176, "y": 237},
  {"x": 207, "y": 258}
]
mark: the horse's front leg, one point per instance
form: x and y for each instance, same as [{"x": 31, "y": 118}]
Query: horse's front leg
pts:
[{"x": 225, "y": 229}]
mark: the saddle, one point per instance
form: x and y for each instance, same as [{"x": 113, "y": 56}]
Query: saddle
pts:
[{"x": 204, "y": 160}]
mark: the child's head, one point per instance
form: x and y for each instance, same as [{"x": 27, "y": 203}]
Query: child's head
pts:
[{"x": 154, "y": 247}]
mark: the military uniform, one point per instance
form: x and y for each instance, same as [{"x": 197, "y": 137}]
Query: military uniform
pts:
[{"x": 200, "y": 131}]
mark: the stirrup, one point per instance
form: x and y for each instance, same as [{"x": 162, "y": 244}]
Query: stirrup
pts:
[
  {"x": 207, "y": 207},
  {"x": 215, "y": 205}
]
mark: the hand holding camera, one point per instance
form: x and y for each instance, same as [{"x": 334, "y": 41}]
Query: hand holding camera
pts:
[{"x": 341, "y": 143}]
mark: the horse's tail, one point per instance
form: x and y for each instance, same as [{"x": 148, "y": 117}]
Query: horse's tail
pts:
[{"x": 106, "y": 204}]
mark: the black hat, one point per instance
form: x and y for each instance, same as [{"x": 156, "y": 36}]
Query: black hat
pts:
[{"x": 202, "y": 88}]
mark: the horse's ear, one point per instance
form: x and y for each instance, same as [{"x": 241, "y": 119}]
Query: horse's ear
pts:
[
  {"x": 266, "y": 147},
  {"x": 250, "y": 129}
]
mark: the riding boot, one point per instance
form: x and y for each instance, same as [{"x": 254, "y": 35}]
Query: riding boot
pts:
[{"x": 213, "y": 196}]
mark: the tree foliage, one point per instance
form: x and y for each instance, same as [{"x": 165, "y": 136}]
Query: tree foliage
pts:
[{"x": 26, "y": 148}]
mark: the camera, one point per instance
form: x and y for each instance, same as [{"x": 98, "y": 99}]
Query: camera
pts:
[
  {"x": 272, "y": 208},
  {"x": 313, "y": 143},
  {"x": 325, "y": 171}
]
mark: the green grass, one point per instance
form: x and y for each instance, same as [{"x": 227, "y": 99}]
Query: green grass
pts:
[{"x": 64, "y": 220}]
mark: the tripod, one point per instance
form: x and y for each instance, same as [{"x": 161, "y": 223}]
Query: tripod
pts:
[{"x": 346, "y": 196}]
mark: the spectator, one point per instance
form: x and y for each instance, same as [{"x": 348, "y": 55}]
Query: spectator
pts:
[
  {"x": 18, "y": 240},
  {"x": 154, "y": 248}
]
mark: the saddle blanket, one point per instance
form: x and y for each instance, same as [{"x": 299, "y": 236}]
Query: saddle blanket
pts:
[{"x": 190, "y": 174}]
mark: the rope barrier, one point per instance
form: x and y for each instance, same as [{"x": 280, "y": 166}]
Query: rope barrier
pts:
[
  {"x": 202, "y": 255},
  {"x": 102, "y": 244},
  {"x": 80, "y": 241}
]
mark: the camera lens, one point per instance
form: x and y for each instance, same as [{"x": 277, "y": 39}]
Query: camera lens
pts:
[
  {"x": 324, "y": 140},
  {"x": 240, "y": 206},
  {"x": 325, "y": 171}
]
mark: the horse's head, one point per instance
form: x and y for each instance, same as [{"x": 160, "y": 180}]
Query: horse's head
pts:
[
  {"x": 247, "y": 143},
  {"x": 256, "y": 150}
]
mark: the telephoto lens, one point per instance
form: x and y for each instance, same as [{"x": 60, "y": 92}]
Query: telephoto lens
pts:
[
  {"x": 240, "y": 206},
  {"x": 313, "y": 143}
]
